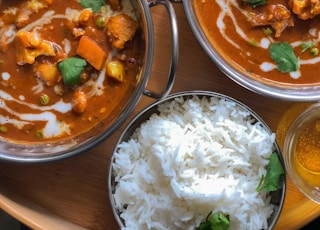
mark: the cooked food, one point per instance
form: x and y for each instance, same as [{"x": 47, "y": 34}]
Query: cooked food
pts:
[
  {"x": 276, "y": 16},
  {"x": 121, "y": 28},
  {"x": 272, "y": 41},
  {"x": 305, "y": 9},
  {"x": 196, "y": 156},
  {"x": 65, "y": 66}
]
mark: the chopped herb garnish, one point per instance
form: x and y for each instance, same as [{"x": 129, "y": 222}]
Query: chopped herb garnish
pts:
[
  {"x": 255, "y": 3},
  {"x": 270, "y": 182},
  {"x": 95, "y": 5},
  {"x": 253, "y": 42},
  {"x": 216, "y": 221},
  {"x": 284, "y": 55},
  {"x": 305, "y": 46},
  {"x": 309, "y": 45},
  {"x": 268, "y": 31},
  {"x": 71, "y": 69}
]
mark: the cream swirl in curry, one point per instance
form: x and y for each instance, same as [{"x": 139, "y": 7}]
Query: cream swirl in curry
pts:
[
  {"x": 64, "y": 65},
  {"x": 272, "y": 40}
]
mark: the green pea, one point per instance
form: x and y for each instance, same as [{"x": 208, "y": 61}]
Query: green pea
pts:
[
  {"x": 314, "y": 51},
  {"x": 44, "y": 99},
  {"x": 3, "y": 129},
  {"x": 100, "y": 22},
  {"x": 39, "y": 134}
]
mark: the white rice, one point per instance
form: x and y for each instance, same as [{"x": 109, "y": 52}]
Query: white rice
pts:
[{"x": 196, "y": 156}]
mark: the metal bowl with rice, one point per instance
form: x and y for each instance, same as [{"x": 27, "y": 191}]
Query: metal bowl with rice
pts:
[{"x": 192, "y": 154}]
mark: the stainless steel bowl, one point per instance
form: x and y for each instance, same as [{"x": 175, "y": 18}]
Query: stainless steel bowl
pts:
[
  {"x": 47, "y": 152},
  {"x": 284, "y": 91},
  {"x": 277, "y": 197}
]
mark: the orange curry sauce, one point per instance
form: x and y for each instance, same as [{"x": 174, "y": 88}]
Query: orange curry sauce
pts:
[
  {"x": 37, "y": 35},
  {"x": 228, "y": 26}
]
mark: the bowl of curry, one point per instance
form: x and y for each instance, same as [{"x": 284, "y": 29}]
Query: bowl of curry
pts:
[
  {"x": 269, "y": 47},
  {"x": 71, "y": 72}
]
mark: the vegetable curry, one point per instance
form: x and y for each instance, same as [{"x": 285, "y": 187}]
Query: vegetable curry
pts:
[
  {"x": 273, "y": 41},
  {"x": 65, "y": 66}
]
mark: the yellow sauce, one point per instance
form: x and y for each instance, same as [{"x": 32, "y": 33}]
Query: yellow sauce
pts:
[
  {"x": 307, "y": 153},
  {"x": 286, "y": 120}
]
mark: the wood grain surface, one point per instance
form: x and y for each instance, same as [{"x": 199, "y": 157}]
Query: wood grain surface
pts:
[{"x": 72, "y": 194}]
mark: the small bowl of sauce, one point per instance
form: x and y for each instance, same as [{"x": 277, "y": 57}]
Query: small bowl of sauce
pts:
[{"x": 302, "y": 152}]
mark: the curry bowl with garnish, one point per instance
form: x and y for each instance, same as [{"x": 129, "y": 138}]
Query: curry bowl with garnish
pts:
[
  {"x": 70, "y": 73},
  {"x": 269, "y": 47}
]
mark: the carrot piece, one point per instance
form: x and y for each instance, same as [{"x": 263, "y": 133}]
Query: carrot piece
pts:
[{"x": 92, "y": 52}]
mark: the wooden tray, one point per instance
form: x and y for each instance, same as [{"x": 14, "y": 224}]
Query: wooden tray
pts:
[{"x": 72, "y": 194}]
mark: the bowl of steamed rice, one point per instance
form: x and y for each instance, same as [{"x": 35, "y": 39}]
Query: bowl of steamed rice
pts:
[{"x": 197, "y": 160}]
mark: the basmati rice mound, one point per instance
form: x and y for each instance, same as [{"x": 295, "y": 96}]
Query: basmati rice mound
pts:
[{"x": 198, "y": 155}]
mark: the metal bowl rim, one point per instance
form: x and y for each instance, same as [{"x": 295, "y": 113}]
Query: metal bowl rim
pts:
[{"x": 307, "y": 93}]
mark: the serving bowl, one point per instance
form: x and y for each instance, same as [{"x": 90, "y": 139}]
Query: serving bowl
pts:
[
  {"x": 21, "y": 106},
  {"x": 242, "y": 51},
  {"x": 301, "y": 152},
  {"x": 160, "y": 155}
]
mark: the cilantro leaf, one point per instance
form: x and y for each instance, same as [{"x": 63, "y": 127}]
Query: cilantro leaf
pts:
[
  {"x": 71, "y": 69},
  {"x": 255, "y": 3},
  {"x": 270, "y": 182},
  {"x": 220, "y": 221},
  {"x": 284, "y": 55},
  {"x": 95, "y": 5},
  {"x": 204, "y": 226},
  {"x": 216, "y": 221}
]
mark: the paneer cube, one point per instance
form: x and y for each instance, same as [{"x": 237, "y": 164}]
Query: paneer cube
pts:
[
  {"x": 29, "y": 47},
  {"x": 121, "y": 29}
]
